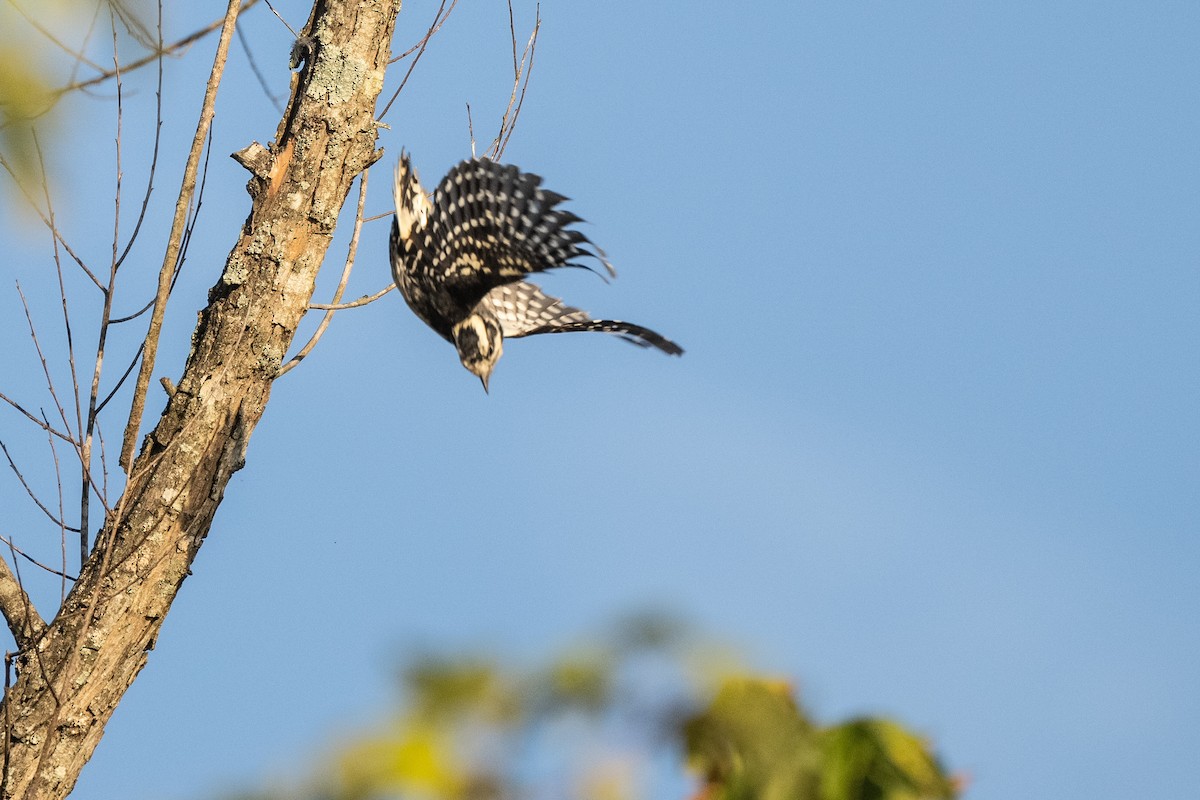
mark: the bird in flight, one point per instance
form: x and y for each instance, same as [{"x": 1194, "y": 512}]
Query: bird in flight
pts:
[{"x": 460, "y": 258}]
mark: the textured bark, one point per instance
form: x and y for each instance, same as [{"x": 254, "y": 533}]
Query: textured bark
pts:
[{"x": 74, "y": 671}]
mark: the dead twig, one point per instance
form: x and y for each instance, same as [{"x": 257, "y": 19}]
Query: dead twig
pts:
[
  {"x": 44, "y": 424},
  {"x": 87, "y": 37}
]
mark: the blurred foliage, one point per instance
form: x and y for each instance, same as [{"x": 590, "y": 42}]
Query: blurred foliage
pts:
[
  {"x": 617, "y": 720},
  {"x": 24, "y": 95},
  {"x": 46, "y": 45}
]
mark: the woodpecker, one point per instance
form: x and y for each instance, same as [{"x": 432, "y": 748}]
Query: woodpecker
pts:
[{"x": 459, "y": 258}]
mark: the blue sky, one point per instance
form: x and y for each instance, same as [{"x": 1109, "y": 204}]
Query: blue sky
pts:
[{"x": 933, "y": 448}]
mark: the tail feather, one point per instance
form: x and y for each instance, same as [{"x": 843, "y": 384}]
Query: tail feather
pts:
[
  {"x": 523, "y": 309},
  {"x": 634, "y": 334}
]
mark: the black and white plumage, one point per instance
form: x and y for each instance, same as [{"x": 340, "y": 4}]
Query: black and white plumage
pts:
[{"x": 460, "y": 257}]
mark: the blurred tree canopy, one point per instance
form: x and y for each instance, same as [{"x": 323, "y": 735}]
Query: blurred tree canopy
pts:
[
  {"x": 645, "y": 711},
  {"x": 42, "y": 58}
]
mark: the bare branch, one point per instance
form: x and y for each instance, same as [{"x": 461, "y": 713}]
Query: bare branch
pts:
[
  {"x": 68, "y": 686},
  {"x": 187, "y": 238},
  {"x": 341, "y": 287},
  {"x": 103, "y": 461},
  {"x": 88, "y": 480},
  {"x": 186, "y": 191}
]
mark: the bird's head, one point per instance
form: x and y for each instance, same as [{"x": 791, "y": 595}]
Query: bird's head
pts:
[
  {"x": 480, "y": 343},
  {"x": 412, "y": 204}
]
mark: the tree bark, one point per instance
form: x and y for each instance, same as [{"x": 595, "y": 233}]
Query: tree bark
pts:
[{"x": 74, "y": 671}]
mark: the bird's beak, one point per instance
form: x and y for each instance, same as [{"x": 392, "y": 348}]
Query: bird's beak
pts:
[{"x": 484, "y": 380}]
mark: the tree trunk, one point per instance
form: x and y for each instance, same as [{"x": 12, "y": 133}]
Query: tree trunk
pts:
[{"x": 74, "y": 671}]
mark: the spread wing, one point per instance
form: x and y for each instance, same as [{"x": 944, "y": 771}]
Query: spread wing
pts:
[{"x": 492, "y": 224}]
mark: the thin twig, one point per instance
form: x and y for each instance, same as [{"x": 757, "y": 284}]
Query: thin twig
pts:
[
  {"x": 103, "y": 459},
  {"x": 32, "y": 560},
  {"x": 54, "y": 396},
  {"x": 62, "y": 287},
  {"x": 133, "y": 25},
  {"x": 121, "y": 381},
  {"x": 51, "y": 430},
  {"x": 87, "y": 38},
  {"x": 341, "y": 287},
  {"x": 281, "y": 19},
  {"x": 154, "y": 153},
  {"x": 29, "y": 490},
  {"x": 512, "y": 33},
  {"x": 48, "y": 222},
  {"x": 186, "y": 191},
  {"x": 437, "y": 26},
  {"x": 62, "y": 530},
  {"x": 471, "y": 129},
  {"x": 262, "y": 79},
  {"x": 105, "y": 313},
  {"x": 45, "y": 368},
  {"x": 194, "y": 215},
  {"x": 186, "y": 41},
  {"x": 362, "y": 301},
  {"x": 79, "y": 57},
  {"x": 438, "y": 20},
  {"x": 130, "y": 317},
  {"x": 524, "y": 68}
]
